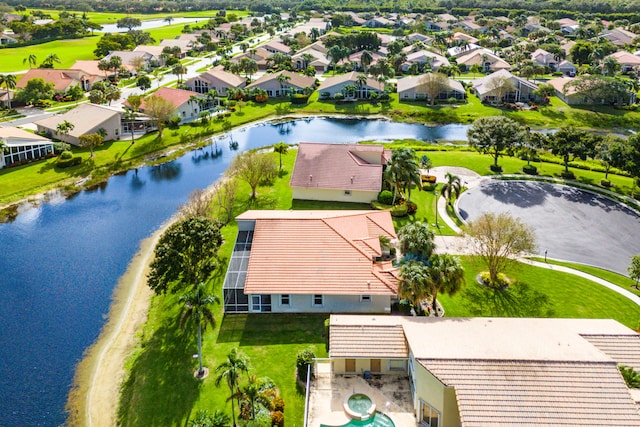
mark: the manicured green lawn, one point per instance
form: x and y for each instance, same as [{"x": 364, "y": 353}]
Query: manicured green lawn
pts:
[
  {"x": 567, "y": 296},
  {"x": 615, "y": 278},
  {"x": 69, "y": 51}
]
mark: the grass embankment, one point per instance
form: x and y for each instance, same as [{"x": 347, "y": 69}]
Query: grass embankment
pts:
[
  {"x": 161, "y": 390},
  {"x": 113, "y": 156}
]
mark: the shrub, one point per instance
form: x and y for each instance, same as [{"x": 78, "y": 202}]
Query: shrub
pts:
[
  {"x": 67, "y": 163},
  {"x": 261, "y": 98},
  {"x": 277, "y": 419},
  {"x": 404, "y": 306},
  {"x": 42, "y": 103},
  {"x": 304, "y": 359},
  {"x": 428, "y": 187},
  {"x": 66, "y": 155},
  {"x": 399, "y": 211},
  {"x": 384, "y": 96},
  {"x": 60, "y": 147},
  {"x": 338, "y": 96},
  {"x": 379, "y": 206},
  {"x": 605, "y": 183},
  {"x": 278, "y": 404},
  {"x": 496, "y": 168},
  {"x": 411, "y": 208},
  {"x": 385, "y": 197},
  {"x": 299, "y": 98},
  {"x": 530, "y": 169},
  {"x": 568, "y": 175}
]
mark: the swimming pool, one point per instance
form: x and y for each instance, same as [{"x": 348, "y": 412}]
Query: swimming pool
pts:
[{"x": 377, "y": 420}]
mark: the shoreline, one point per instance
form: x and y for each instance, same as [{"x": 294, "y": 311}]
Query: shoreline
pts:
[{"x": 94, "y": 397}]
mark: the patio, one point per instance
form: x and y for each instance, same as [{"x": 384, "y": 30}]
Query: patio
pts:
[{"x": 390, "y": 393}]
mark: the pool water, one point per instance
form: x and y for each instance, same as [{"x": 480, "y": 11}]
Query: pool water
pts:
[
  {"x": 360, "y": 404},
  {"x": 378, "y": 420}
]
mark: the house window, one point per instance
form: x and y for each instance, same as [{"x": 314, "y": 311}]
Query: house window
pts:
[
  {"x": 397, "y": 365},
  {"x": 261, "y": 303},
  {"x": 430, "y": 417},
  {"x": 347, "y": 192},
  {"x": 318, "y": 300},
  {"x": 365, "y": 298},
  {"x": 285, "y": 300}
]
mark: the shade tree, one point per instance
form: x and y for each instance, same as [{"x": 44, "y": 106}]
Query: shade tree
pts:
[
  {"x": 570, "y": 143},
  {"x": 253, "y": 167},
  {"x": 495, "y": 135}
]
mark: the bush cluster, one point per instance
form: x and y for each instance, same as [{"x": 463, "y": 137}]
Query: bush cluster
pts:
[
  {"x": 67, "y": 160},
  {"x": 399, "y": 211},
  {"x": 385, "y": 197}
]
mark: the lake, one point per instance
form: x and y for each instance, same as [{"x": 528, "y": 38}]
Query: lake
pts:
[{"x": 62, "y": 259}]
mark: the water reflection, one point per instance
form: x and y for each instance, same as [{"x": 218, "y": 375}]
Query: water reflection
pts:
[{"x": 166, "y": 172}]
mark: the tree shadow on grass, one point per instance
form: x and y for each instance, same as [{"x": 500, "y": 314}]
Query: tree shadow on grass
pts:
[
  {"x": 161, "y": 389},
  {"x": 271, "y": 329},
  {"x": 518, "y": 300}
]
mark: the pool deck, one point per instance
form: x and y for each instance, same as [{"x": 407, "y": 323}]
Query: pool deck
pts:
[{"x": 390, "y": 393}]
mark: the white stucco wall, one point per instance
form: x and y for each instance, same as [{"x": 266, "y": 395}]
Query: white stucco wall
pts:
[
  {"x": 356, "y": 196},
  {"x": 332, "y": 304}
]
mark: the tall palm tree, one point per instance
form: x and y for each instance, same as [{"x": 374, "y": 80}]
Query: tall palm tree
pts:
[
  {"x": 179, "y": 70},
  {"x": 452, "y": 188},
  {"x": 50, "y": 59},
  {"x": 230, "y": 372},
  {"x": 32, "y": 60},
  {"x": 9, "y": 82},
  {"x": 196, "y": 309},
  {"x": 283, "y": 79},
  {"x": 258, "y": 392},
  {"x": 307, "y": 58},
  {"x": 446, "y": 275},
  {"x": 366, "y": 59},
  {"x": 281, "y": 148},
  {"x": 402, "y": 171},
  {"x": 64, "y": 128},
  {"x": 414, "y": 284}
]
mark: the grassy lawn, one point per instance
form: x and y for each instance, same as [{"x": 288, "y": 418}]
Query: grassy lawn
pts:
[
  {"x": 69, "y": 51},
  {"x": 615, "y": 278},
  {"x": 566, "y": 295}
]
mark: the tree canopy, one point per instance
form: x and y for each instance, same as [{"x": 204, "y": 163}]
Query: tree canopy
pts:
[
  {"x": 495, "y": 134},
  {"x": 35, "y": 90},
  {"x": 185, "y": 255}
]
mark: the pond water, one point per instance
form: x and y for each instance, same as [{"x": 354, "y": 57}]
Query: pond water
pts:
[
  {"x": 151, "y": 23},
  {"x": 61, "y": 260}
]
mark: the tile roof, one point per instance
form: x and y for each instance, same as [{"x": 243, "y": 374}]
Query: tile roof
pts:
[
  {"x": 351, "y": 77},
  {"x": 625, "y": 58},
  {"x": 309, "y": 252},
  {"x": 478, "y": 57},
  {"x": 231, "y": 79},
  {"x": 355, "y": 341},
  {"x": 14, "y": 137},
  {"x": 84, "y": 117},
  {"x": 177, "y": 97},
  {"x": 532, "y": 393},
  {"x": 61, "y": 78},
  {"x": 295, "y": 80},
  {"x": 338, "y": 166},
  {"x": 485, "y": 84},
  {"x": 409, "y": 82},
  {"x": 621, "y": 348}
]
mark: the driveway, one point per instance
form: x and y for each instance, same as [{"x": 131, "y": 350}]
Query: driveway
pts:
[{"x": 570, "y": 224}]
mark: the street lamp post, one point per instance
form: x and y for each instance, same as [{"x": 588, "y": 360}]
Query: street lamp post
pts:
[{"x": 436, "y": 194}]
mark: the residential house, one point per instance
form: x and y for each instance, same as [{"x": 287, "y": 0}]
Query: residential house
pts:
[
  {"x": 385, "y": 39},
  {"x": 544, "y": 58},
  {"x": 184, "y": 45},
  {"x": 411, "y": 88},
  {"x": 355, "y": 19},
  {"x": 186, "y": 102},
  {"x": 288, "y": 261},
  {"x": 378, "y": 22},
  {"x": 7, "y": 95},
  {"x": 423, "y": 57},
  {"x": 21, "y": 146},
  {"x": 6, "y": 38},
  {"x": 342, "y": 83},
  {"x": 308, "y": 27},
  {"x": 458, "y": 37},
  {"x": 462, "y": 50},
  {"x": 338, "y": 172},
  {"x": 628, "y": 61},
  {"x": 91, "y": 67},
  {"x": 502, "y": 86},
  {"x": 277, "y": 86},
  {"x": 568, "y": 25},
  {"x": 277, "y": 47},
  {"x": 566, "y": 46},
  {"x": 62, "y": 79},
  {"x": 216, "y": 79},
  {"x": 260, "y": 55},
  {"x": 567, "y": 68},
  {"x": 470, "y": 25},
  {"x": 355, "y": 60},
  {"x": 485, "y": 59},
  {"x": 413, "y": 37},
  {"x": 320, "y": 61},
  {"x": 619, "y": 36},
  {"x": 128, "y": 57},
  {"x": 447, "y": 17},
  {"x": 156, "y": 53},
  {"x": 570, "y": 96},
  {"x": 86, "y": 119},
  {"x": 492, "y": 371}
]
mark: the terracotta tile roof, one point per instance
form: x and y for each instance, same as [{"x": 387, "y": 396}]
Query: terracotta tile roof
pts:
[
  {"x": 621, "y": 348},
  {"x": 530, "y": 393},
  {"x": 338, "y": 166},
  {"x": 177, "y": 97},
  {"x": 61, "y": 79},
  {"x": 231, "y": 79},
  {"x": 356, "y": 341},
  {"x": 476, "y": 57},
  {"x": 625, "y": 58},
  {"x": 310, "y": 252}
]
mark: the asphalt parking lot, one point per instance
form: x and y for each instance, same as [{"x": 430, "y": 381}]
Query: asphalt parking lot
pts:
[{"x": 570, "y": 224}]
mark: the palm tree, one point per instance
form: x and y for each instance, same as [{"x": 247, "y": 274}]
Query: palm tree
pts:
[
  {"x": 179, "y": 70},
  {"x": 416, "y": 241},
  {"x": 446, "y": 275},
  {"x": 402, "y": 171},
  {"x": 64, "y": 128},
  {"x": 452, "y": 188},
  {"x": 196, "y": 310},
  {"x": 32, "y": 59},
  {"x": 230, "y": 372},
  {"x": 50, "y": 59},
  {"x": 258, "y": 391},
  {"x": 307, "y": 58},
  {"x": 9, "y": 82},
  {"x": 414, "y": 284},
  {"x": 366, "y": 58},
  {"x": 283, "y": 79},
  {"x": 281, "y": 148}
]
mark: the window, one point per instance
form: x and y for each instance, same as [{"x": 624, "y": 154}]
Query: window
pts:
[
  {"x": 398, "y": 365},
  {"x": 285, "y": 300},
  {"x": 430, "y": 417},
  {"x": 347, "y": 192},
  {"x": 318, "y": 300},
  {"x": 365, "y": 298}
]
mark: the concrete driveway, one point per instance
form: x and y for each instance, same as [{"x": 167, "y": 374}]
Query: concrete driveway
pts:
[{"x": 571, "y": 224}]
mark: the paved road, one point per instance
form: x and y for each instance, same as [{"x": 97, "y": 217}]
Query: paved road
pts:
[{"x": 571, "y": 224}]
